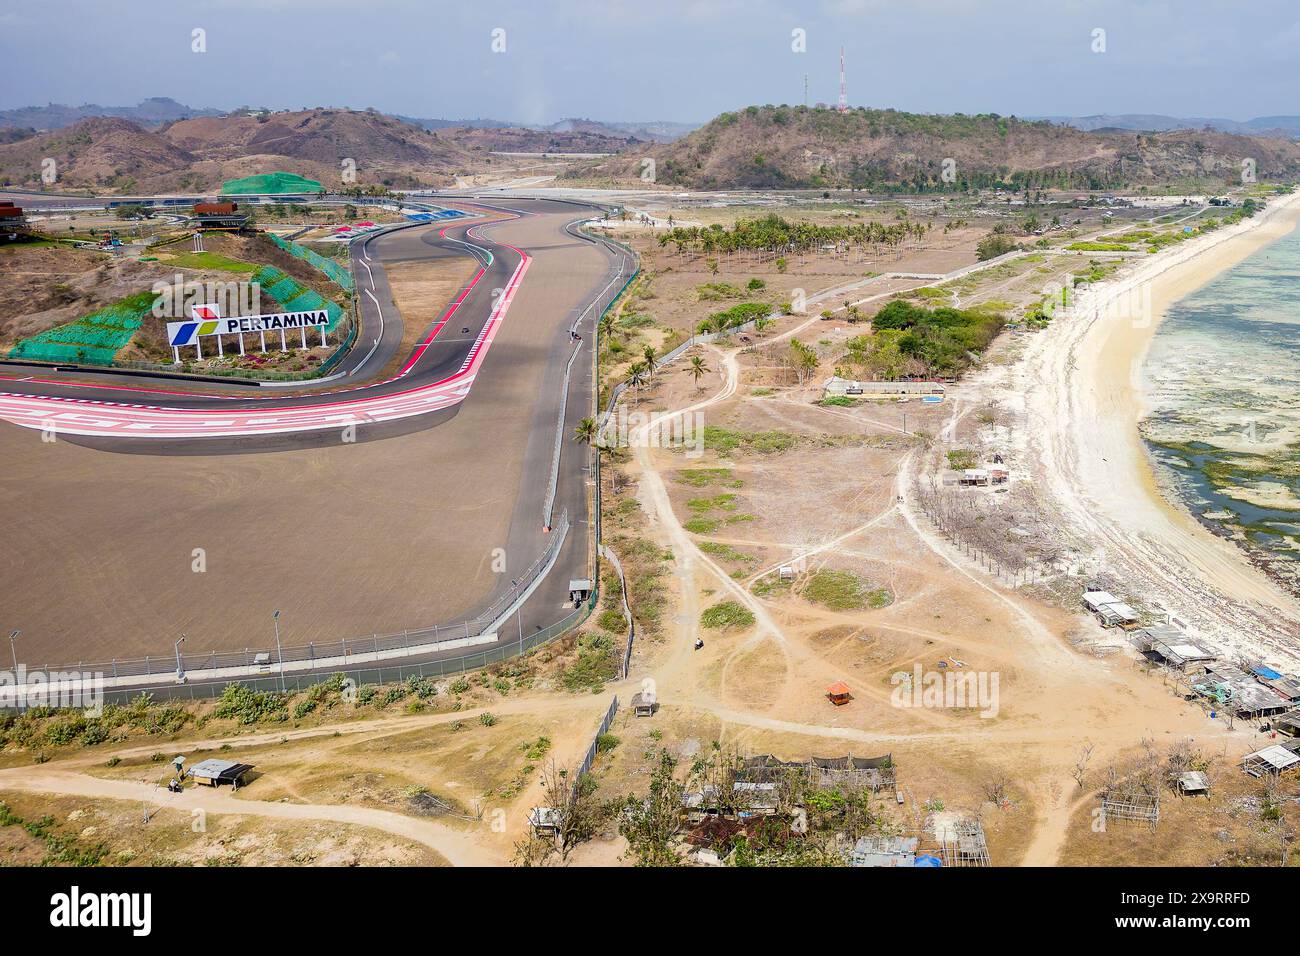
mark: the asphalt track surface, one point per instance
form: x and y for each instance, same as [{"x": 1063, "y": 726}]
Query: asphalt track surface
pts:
[{"x": 494, "y": 390}]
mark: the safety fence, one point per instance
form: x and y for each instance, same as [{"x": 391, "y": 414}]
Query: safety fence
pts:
[
  {"x": 625, "y": 664},
  {"x": 274, "y": 681},
  {"x": 590, "y": 758}
]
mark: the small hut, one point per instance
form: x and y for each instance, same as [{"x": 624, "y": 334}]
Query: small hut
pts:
[
  {"x": 645, "y": 703},
  {"x": 213, "y": 773},
  {"x": 544, "y": 820},
  {"x": 838, "y": 693}
]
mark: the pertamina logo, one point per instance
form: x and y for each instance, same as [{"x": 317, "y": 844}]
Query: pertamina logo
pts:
[{"x": 206, "y": 318}]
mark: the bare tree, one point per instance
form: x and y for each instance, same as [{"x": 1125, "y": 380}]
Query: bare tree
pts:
[
  {"x": 996, "y": 787},
  {"x": 1080, "y": 771},
  {"x": 574, "y": 812}
]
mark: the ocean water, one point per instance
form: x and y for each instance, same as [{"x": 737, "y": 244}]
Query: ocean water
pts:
[{"x": 1222, "y": 386}]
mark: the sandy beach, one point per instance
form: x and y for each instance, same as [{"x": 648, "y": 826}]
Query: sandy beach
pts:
[{"x": 1080, "y": 384}]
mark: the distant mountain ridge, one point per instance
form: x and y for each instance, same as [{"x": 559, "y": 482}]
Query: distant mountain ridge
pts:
[
  {"x": 155, "y": 111},
  {"x": 1278, "y": 127},
  {"x": 158, "y": 111},
  {"x": 650, "y": 131}
]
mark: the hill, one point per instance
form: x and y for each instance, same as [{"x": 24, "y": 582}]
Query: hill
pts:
[
  {"x": 154, "y": 111},
  {"x": 198, "y": 154},
  {"x": 799, "y": 147},
  {"x": 107, "y": 152}
]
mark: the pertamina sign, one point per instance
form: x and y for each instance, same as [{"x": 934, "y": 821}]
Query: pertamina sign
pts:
[{"x": 206, "y": 322}]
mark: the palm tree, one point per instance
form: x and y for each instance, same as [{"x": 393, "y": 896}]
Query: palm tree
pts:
[
  {"x": 698, "y": 369},
  {"x": 635, "y": 377},
  {"x": 585, "y": 432},
  {"x": 648, "y": 353},
  {"x": 607, "y": 325}
]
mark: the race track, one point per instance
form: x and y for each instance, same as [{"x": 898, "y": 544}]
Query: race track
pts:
[{"x": 429, "y": 525}]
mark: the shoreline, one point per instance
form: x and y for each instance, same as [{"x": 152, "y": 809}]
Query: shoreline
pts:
[{"x": 1082, "y": 384}]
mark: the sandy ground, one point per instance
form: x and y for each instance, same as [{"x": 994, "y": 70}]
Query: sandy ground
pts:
[
  {"x": 761, "y": 689},
  {"x": 1077, "y": 391}
]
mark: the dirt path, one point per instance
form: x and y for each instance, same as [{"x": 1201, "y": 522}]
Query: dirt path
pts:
[
  {"x": 1051, "y": 832},
  {"x": 458, "y": 848}
]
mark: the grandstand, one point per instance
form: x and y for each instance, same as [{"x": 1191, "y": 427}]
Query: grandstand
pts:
[
  {"x": 92, "y": 339},
  {"x": 271, "y": 184},
  {"x": 439, "y": 216}
]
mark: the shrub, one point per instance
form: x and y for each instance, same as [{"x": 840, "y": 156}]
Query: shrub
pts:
[
  {"x": 248, "y": 706},
  {"x": 727, "y": 614},
  {"x": 612, "y": 620},
  {"x": 843, "y": 591},
  {"x": 960, "y": 459}
]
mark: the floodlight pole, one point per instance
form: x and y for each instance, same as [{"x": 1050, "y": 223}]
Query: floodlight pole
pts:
[
  {"x": 13, "y": 649},
  {"x": 180, "y": 668},
  {"x": 278, "y": 652}
]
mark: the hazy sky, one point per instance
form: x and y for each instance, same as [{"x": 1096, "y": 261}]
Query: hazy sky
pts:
[{"x": 659, "y": 59}]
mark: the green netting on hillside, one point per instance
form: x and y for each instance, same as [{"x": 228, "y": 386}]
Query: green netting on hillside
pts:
[
  {"x": 275, "y": 283},
  {"x": 338, "y": 273},
  {"x": 93, "y": 339},
  {"x": 279, "y": 182},
  {"x": 293, "y": 297}
]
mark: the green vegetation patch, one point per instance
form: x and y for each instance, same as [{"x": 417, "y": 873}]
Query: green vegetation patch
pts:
[
  {"x": 724, "y": 441},
  {"x": 726, "y": 552},
  {"x": 1099, "y": 247},
  {"x": 725, "y": 501},
  {"x": 959, "y": 459},
  {"x": 248, "y": 706},
  {"x": 703, "y": 477},
  {"x": 213, "y": 261},
  {"x": 596, "y": 665},
  {"x": 843, "y": 591},
  {"x": 942, "y": 340},
  {"x": 701, "y": 526},
  {"x": 714, "y": 291},
  {"x": 727, "y": 614}
]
